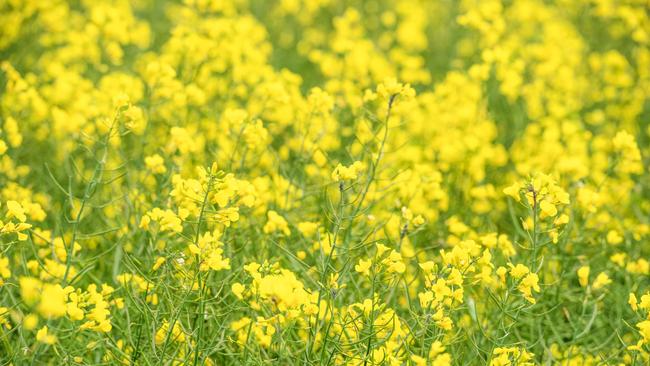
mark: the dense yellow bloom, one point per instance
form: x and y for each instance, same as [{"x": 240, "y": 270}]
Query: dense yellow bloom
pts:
[{"x": 367, "y": 182}]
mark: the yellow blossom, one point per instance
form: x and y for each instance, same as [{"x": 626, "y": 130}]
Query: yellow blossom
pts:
[
  {"x": 44, "y": 336},
  {"x": 583, "y": 276}
]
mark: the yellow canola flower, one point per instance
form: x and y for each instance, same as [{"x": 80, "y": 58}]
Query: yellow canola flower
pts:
[
  {"x": 347, "y": 173},
  {"x": 30, "y": 321},
  {"x": 391, "y": 88},
  {"x": 15, "y": 209},
  {"x": 159, "y": 262},
  {"x": 363, "y": 267},
  {"x": 44, "y": 336},
  {"x": 504, "y": 356},
  {"x": 529, "y": 284},
  {"x": 163, "y": 333},
  {"x": 167, "y": 219},
  {"x": 583, "y": 276},
  {"x": 156, "y": 164},
  {"x": 644, "y": 330},
  {"x": 276, "y": 223},
  {"x": 601, "y": 281},
  {"x": 524, "y": 118},
  {"x": 518, "y": 271},
  {"x": 209, "y": 250},
  {"x": 53, "y": 300},
  {"x": 283, "y": 290},
  {"x": 5, "y": 272},
  {"x": 134, "y": 119},
  {"x": 4, "y": 315},
  {"x": 645, "y": 302},
  {"x": 307, "y": 229},
  {"x": 633, "y": 302},
  {"x": 548, "y": 209},
  {"x": 614, "y": 238},
  {"x": 238, "y": 290},
  {"x": 513, "y": 191}
]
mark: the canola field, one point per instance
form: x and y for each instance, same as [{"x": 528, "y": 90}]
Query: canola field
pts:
[{"x": 325, "y": 182}]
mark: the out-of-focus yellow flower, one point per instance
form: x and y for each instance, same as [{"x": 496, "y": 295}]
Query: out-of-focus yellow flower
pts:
[
  {"x": 583, "y": 276},
  {"x": 44, "y": 336}
]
